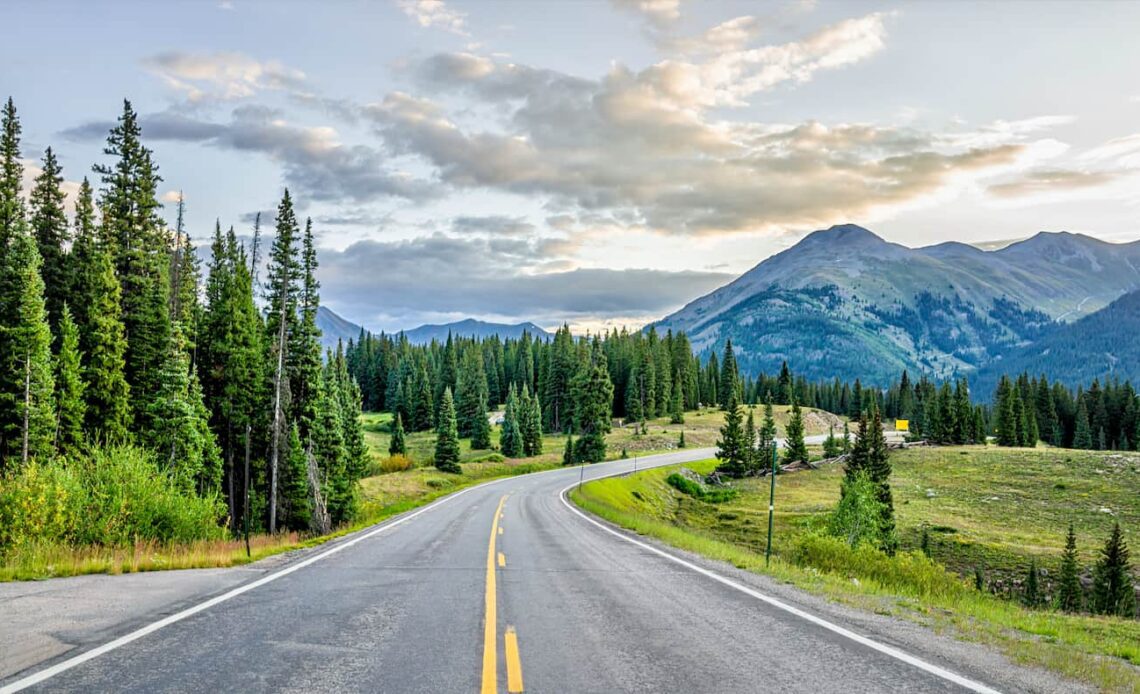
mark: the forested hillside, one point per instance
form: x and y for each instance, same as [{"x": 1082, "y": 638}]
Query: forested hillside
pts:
[
  {"x": 845, "y": 303},
  {"x": 141, "y": 401}
]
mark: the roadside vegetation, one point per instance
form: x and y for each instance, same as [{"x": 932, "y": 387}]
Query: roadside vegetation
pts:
[{"x": 976, "y": 544}]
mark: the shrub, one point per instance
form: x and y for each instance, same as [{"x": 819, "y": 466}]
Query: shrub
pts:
[
  {"x": 910, "y": 573},
  {"x": 697, "y": 491},
  {"x": 395, "y": 463},
  {"x": 114, "y": 497},
  {"x": 856, "y": 519},
  {"x": 437, "y": 482}
]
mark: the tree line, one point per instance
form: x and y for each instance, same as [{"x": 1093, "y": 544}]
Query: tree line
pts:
[{"x": 111, "y": 340}]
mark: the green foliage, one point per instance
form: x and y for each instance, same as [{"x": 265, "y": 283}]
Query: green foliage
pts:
[
  {"x": 510, "y": 439},
  {"x": 906, "y": 573},
  {"x": 108, "y": 393},
  {"x": 530, "y": 423},
  {"x": 49, "y": 226},
  {"x": 114, "y": 496},
  {"x": 856, "y": 520},
  {"x": 1070, "y": 594},
  {"x": 699, "y": 491},
  {"x": 1031, "y": 592},
  {"x": 593, "y": 396},
  {"x": 732, "y": 449},
  {"x": 568, "y": 451},
  {"x": 795, "y": 450},
  {"x": 1113, "y": 592},
  {"x": 398, "y": 445},
  {"x": 869, "y": 456},
  {"x": 447, "y": 436},
  {"x": 71, "y": 408},
  {"x": 296, "y": 500}
]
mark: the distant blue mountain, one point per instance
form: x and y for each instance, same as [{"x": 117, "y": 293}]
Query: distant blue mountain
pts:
[
  {"x": 335, "y": 329},
  {"x": 473, "y": 328}
]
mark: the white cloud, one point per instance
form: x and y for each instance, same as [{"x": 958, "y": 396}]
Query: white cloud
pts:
[
  {"x": 659, "y": 12},
  {"x": 435, "y": 14},
  {"x": 222, "y": 75}
]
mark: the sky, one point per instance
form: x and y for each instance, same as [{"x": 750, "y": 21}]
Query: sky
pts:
[{"x": 591, "y": 162}]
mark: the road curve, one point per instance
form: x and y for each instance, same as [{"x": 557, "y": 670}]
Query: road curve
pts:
[{"x": 574, "y": 606}]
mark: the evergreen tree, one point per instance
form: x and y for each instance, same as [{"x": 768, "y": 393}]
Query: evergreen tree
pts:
[
  {"x": 136, "y": 237},
  {"x": 529, "y": 417},
  {"x": 82, "y": 260},
  {"x": 70, "y": 405},
  {"x": 729, "y": 377},
  {"x": 869, "y": 456},
  {"x": 27, "y": 380},
  {"x": 593, "y": 398},
  {"x": 481, "y": 428},
  {"x": 1082, "y": 433},
  {"x": 731, "y": 448},
  {"x": 1007, "y": 420},
  {"x": 751, "y": 457},
  {"x": 510, "y": 439},
  {"x": 766, "y": 437},
  {"x": 398, "y": 445},
  {"x": 447, "y": 436},
  {"x": 304, "y": 354},
  {"x": 471, "y": 396},
  {"x": 296, "y": 494},
  {"x": 795, "y": 450},
  {"x": 1069, "y": 592},
  {"x": 677, "y": 403},
  {"x": 1113, "y": 593},
  {"x": 49, "y": 226},
  {"x": 1031, "y": 595},
  {"x": 108, "y": 393},
  {"x": 180, "y": 430},
  {"x": 568, "y": 451},
  {"x": 556, "y": 392},
  {"x": 11, "y": 175}
]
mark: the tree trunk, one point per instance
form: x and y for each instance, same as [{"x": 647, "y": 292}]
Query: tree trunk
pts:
[
  {"x": 276, "y": 419},
  {"x": 27, "y": 405}
]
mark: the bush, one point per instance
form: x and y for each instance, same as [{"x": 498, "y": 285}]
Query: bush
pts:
[
  {"x": 114, "y": 497},
  {"x": 697, "y": 491},
  {"x": 856, "y": 520},
  {"x": 909, "y": 573},
  {"x": 395, "y": 463}
]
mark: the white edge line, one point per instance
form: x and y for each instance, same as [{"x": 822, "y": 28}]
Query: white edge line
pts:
[
  {"x": 64, "y": 666},
  {"x": 835, "y": 628}
]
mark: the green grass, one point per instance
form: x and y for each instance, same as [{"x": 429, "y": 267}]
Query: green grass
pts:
[{"x": 1038, "y": 493}]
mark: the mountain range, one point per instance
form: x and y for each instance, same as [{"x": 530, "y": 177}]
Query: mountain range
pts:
[
  {"x": 334, "y": 328},
  {"x": 844, "y": 302}
]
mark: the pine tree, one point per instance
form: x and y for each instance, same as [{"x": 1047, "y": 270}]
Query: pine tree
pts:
[
  {"x": 296, "y": 495},
  {"x": 136, "y": 238},
  {"x": 1082, "y": 433},
  {"x": 751, "y": 458},
  {"x": 49, "y": 226},
  {"x": 1069, "y": 592},
  {"x": 1007, "y": 420},
  {"x": 11, "y": 175},
  {"x": 471, "y": 396},
  {"x": 1031, "y": 595},
  {"x": 481, "y": 428},
  {"x": 555, "y": 390},
  {"x": 869, "y": 456},
  {"x": 795, "y": 450},
  {"x": 568, "y": 451},
  {"x": 729, "y": 377},
  {"x": 510, "y": 439},
  {"x": 27, "y": 380},
  {"x": 529, "y": 418},
  {"x": 180, "y": 430},
  {"x": 766, "y": 437},
  {"x": 71, "y": 408},
  {"x": 1113, "y": 593},
  {"x": 731, "y": 448},
  {"x": 304, "y": 354},
  {"x": 398, "y": 445},
  {"x": 593, "y": 396},
  {"x": 677, "y": 403},
  {"x": 108, "y": 393},
  {"x": 447, "y": 436}
]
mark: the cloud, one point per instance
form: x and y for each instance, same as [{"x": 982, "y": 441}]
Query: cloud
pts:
[
  {"x": 658, "y": 12},
  {"x": 482, "y": 277},
  {"x": 729, "y": 36},
  {"x": 222, "y": 75},
  {"x": 316, "y": 164},
  {"x": 652, "y": 149},
  {"x": 172, "y": 197},
  {"x": 1050, "y": 181},
  {"x": 435, "y": 14},
  {"x": 492, "y": 224}
]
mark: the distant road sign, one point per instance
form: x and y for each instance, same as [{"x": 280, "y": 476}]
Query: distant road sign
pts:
[{"x": 902, "y": 425}]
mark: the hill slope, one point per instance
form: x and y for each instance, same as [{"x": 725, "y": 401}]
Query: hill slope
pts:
[
  {"x": 334, "y": 328},
  {"x": 844, "y": 302},
  {"x": 1101, "y": 345}
]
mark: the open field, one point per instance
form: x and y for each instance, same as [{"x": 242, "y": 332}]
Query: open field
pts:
[{"x": 988, "y": 507}]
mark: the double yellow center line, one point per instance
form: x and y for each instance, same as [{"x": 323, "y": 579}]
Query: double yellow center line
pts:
[{"x": 490, "y": 623}]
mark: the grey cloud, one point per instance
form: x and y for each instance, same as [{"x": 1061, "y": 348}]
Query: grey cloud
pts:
[
  {"x": 475, "y": 276},
  {"x": 492, "y": 224},
  {"x": 1051, "y": 180}
]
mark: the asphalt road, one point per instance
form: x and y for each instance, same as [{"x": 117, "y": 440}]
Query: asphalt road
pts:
[{"x": 505, "y": 587}]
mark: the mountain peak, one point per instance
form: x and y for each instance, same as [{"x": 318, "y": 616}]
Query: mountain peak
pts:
[{"x": 847, "y": 234}]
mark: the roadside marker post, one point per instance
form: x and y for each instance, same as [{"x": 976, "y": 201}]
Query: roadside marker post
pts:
[{"x": 771, "y": 504}]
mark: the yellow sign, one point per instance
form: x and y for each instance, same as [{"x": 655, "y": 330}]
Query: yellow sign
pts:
[{"x": 902, "y": 425}]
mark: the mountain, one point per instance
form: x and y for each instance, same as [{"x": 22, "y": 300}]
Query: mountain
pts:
[
  {"x": 1097, "y": 346},
  {"x": 334, "y": 328},
  {"x": 471, "y": 327},
  {"x": 844, "y": 302}
]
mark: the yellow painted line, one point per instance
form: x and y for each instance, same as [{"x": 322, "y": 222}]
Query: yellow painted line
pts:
[
  {"x": 500, "y": 530},
  {"x": 490, "y": 616},
  {"x": 514, "y": 665},
  {"x": 502, "y": 560}
]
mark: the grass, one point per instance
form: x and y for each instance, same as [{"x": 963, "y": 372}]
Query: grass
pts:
[
  {"x": 998, "y": 507},
  {"x": 382, "y": 496}
]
